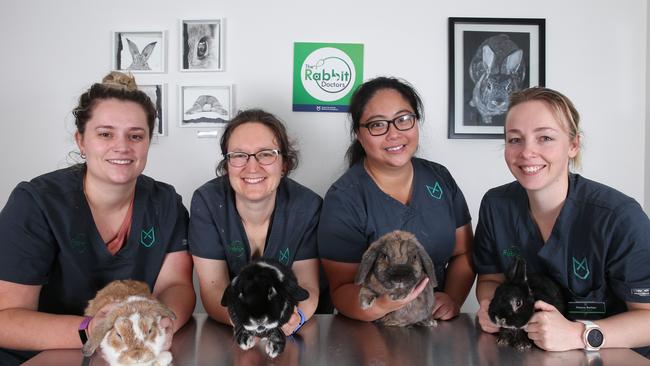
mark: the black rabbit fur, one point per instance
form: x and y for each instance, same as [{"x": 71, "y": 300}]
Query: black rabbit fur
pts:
[
  {"x": 513, "y": 303},
  {"x": 260, "y": 300}
]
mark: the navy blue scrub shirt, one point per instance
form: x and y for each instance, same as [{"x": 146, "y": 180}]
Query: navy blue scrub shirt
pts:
[
  {"x": 356, "y": 212},
  {"x": 598, "y": 250},
  {"x": 49, "y": 238},
  {"x": 216, "y": 230}
]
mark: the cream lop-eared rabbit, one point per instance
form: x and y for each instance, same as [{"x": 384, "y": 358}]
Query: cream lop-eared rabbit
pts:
[{"x": 131, "y": 333}]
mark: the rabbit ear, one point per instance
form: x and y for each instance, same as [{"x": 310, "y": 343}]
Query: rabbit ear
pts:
[
  {"x": 148, "y": 49},
  {"x": 517, "y": 271},
  {"x": 367, "y": 262},
  {"x": 294, "y": 290},
  {"x": 133, "y": 48},
  {"x": 428, "y": 266},
  {"x": 513, "y": 61},
  {"x": 96, "y": 337},
  {"x": 488, "y": 57},
  {"x": 227, "y": 295}
]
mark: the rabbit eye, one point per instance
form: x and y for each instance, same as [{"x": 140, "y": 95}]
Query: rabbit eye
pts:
[
  {"x": 518, "y": 303},
  {"x": 202, "y": 47}
]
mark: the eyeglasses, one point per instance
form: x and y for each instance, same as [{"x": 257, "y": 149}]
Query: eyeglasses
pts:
[
  {"x": 239, "y": 159},
  {"x": 380, "y": 127}
]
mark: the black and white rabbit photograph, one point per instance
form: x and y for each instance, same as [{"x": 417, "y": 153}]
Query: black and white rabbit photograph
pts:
[
  {"x": 202, "y": 45},
  {"x": 394, "y": 265},
  {"x": 260, "y": 300},
  {"x": 139, "y": 51},
  {"x": 497, "y": 69},
  {"x": 513, "y": 303}
]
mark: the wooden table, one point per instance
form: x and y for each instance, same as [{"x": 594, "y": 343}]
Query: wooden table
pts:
[{"x": 338, "y": 341}]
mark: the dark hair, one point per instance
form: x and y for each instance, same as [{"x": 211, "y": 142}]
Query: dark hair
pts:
[
  {"x": 287, "y": 150},
  {"x": 561, "y": 106},
  {"x": 360, "y": 99},
  {"x": 115, "y": 85}
]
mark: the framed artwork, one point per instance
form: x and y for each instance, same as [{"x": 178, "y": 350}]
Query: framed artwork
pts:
[
  {"x": 489, "y": 58},
  {"x": 158, "y": 95},
  {"x": 205, "y": 105},
  {"x": 139, "y": 52},
  {"x": 201, "y": 45}
]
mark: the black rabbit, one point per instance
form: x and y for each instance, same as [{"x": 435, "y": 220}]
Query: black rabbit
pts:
[
  {"x": 513, "y": 303},
  {"x": 260, "y": 300}
]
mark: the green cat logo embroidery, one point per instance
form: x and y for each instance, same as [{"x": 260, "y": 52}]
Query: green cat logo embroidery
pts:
[
  {"x": 580, "y": 268},
  {"x": 512, "y": 251},
  {"x": 79, "y": 243},
  {"x": 147, "y": 237},
  {"x": 284, "y": 256},
  {"x": 435, "y": 191},
  {"x": 236, "y": 248}
]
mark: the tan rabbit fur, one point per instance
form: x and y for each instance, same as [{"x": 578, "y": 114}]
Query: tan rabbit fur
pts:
[
  {"x": 130, "y": 333},
  {"x": 394, "y": 265}
]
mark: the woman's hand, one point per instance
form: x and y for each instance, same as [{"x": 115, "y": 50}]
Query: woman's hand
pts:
[
  {"x": 551, "y": 331},
  {"x": 445, "y": 307},
  {"x": 484, "y": 319},
  {"x": 389, "y": 305},
  {"x": 292, "y": 324}
]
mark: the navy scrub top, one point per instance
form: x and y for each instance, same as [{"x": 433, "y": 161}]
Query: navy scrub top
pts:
[
  {"x": 216, "y": 230},
  {"x": 356, "y": 212},
  {"x": 49, "y": 238},
  {"x": 598, "y": 250}
]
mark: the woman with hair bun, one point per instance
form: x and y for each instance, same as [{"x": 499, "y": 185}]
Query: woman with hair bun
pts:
[{"x": 68, "y": 233}]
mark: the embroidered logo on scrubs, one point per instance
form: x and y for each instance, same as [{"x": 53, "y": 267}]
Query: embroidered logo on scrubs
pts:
[
  {"x": 512, "y": 251},
  {"x": 580, "y": 268},
  {"x": 147, "y": 237},
  {"x": 435, "y": 191},
  {"x": 236, "y": 248},
  {"x": 284, "y": 256},
  {"x": 79, "y": 243}
]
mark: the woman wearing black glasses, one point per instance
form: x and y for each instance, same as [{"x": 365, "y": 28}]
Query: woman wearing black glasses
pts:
[
  {"x": 253, "y": 210},
  {"x": 386, "y": 188}
]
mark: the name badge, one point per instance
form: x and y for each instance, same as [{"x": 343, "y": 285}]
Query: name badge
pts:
[{"x": 586, "y": 309}]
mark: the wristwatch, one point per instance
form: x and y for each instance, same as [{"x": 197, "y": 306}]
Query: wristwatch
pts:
[
  {"x": 593, "y": 336},
  {"x": 83, "y": 329}
]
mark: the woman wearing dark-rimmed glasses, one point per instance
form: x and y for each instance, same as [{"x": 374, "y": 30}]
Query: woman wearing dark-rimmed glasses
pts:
[
  {"x": 253, "y": 210},
  {"x": 386, "y": 188}
]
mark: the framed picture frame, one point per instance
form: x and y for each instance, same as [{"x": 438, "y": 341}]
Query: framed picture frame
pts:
[
  {"x": 158, "y": 95},
  {"x": 205, "y": 105},
  {"x": 139, "y": 51},
  {"x": 201, "y": 44},
  {"x": 489, "y": 58}
]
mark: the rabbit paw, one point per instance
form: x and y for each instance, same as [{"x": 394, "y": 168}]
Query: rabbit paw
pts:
[
  {"x": 428, "y": 322},
  {"x": 274, "y": 349},
  {"x": 164, "y": 359},
  {"x": 522, "y": 345},
  {"x": 366, "y": 301},
  {"x": 245, "y": 340}
]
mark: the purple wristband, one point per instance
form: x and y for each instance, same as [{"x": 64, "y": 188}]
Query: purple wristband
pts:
[{"x": 83, "y": 329}]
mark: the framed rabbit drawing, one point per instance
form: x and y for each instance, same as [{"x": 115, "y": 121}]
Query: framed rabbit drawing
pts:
[
  {"x": 139, "y": 51},
  {"x": 158, "y": 95},
  {"x": 205, "y": 105},
  {"x": 489, "y": 58},
  {"x": 201, "y": 46}
]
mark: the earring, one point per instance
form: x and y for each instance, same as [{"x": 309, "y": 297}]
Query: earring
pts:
[{"x": 83, "y": 156}]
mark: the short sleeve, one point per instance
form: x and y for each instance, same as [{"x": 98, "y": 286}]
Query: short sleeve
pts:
[
  {"x": 204, "y": 238},
  {"x": 627, "y": 265},
  {"x": 485, "y": 249},
  {"x": 461, "y": 211},
  {"x": 308, "y": 247},
  {"x": 340, "y": 232},
  {"x": 178, "y": 240},
  {"x": 27, "y": 247}
]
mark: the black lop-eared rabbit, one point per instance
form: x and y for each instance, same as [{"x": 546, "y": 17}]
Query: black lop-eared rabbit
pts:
[
  {"x": 260, "y": 300},
  {"x": 514, "y": 300}
]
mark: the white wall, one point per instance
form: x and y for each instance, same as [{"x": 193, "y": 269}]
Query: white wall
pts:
[{"x": 53, "y": 50}]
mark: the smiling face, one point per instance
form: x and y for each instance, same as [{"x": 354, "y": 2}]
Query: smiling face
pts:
[
  {"x": 395, "y": 148},
  {"x": 115, "y": 142},
  {"x": 538, "y": 147},
  {"x": 254, "y": 182}
]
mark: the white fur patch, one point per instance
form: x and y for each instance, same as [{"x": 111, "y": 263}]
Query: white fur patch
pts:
[{"x": 277, "y": 271}]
